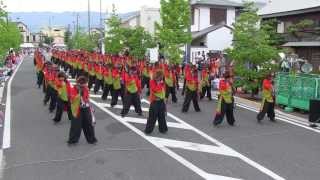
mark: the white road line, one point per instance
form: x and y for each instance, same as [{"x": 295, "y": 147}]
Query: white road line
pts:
[
  {"x": 193, "y": 146},
  {"x": 144, "y": 121},
  {"x": 242, "y": 157},
  {"x": 120, "y": 107},
  {"x": 174, "y": 155},
  {"x": 6, "y": 141}
]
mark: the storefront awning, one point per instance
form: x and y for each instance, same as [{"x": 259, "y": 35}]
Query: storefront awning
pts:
[{"x": 302, "y": 44}]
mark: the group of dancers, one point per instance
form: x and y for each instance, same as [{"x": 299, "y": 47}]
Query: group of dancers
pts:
[{"x": 125, "y": 77}]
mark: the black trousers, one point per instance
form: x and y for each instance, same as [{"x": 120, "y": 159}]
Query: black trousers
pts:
[
  {"x": 83, "y": 122},
  {"x": 190, "y": 96},
  {"x": 131, "y": 99},
  {"x": 53, "y": 100},
  {"x": 268, "y": 108},
  {"x": 92, "y": 80},
  {"x": 47, "y": 94},
  {"x": 98, "y": 84},
  {"x": 60, "y": 108},
  {"x": 106, "y": 90},
  {"x": 206, "y": 90},
  {"x": 172, "y": 91},
  {"x": 145, "y": 82},
  {"x": 184, "y": 87},
  {"x": 177, "y": 82},
  {"x": 40, "y": 77},
  {"x": 226, "y": 109},
  {"x": 115, "y": 95},
  {"x": 157, "y": 111}
]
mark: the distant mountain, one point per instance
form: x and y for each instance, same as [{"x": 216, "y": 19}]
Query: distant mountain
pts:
[{"x": 36, "y": 20}]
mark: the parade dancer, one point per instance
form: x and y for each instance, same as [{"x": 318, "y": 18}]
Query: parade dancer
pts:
[
  {"x": 267, "y": 105},
  {"x": 157, "y": 109},
  {"x": 132, "y": 92},
  {"x": 82, "y": 114},
  {"x": 192, "y": 84},
  {"x": 205, "y": 83},
  {"x": 107, "y": 76},
  {"x": 146, "y": 77},
  {"x": 225, "y": 101},
  {"x": 63, "y": 88},
  {"x": 117, "y": 86},
  {"x": 99, "y": 77},
  {"x": 170, "y": 82}
]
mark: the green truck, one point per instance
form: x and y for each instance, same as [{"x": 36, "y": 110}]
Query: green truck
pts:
[{"x": 296, "y": 90}]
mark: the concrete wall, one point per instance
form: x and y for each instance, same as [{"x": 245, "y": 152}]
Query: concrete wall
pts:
[{"x": 148, "y": 17}]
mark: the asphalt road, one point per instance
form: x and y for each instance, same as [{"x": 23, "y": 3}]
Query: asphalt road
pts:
[{"x": 192, "y": 149}]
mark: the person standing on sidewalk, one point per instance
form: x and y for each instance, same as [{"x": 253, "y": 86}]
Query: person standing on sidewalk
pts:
[
  {"x": 157, "y": 110},
  {"x": 82, "y": 113},
  {"x": 225, "y": 101},
  {"x": 267, "y": 105}
]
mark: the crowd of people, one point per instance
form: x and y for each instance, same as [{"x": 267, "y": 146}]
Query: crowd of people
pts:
[{"x": 125, "y": 77}]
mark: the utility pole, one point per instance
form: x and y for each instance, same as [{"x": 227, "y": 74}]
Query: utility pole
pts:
[
  {"x": 77, "y": 23},
  {"x": 89, "y": 17}
]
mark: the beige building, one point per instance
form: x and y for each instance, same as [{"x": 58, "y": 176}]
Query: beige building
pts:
[
  {"x": 56, "y": 32},
  {"x": 28, "y": 36}
]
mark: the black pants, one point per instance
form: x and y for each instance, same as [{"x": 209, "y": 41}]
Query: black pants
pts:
[
  {"x": 172, "y": 91},
  {"x": 190, "y": 96},
  {"x": 98, "y": 84},
  {"x": 115, "y": 95},
  {"x": 83, "y": 122},
  {"x": 92, "y": 80},
  {"x": 177, "y": 82},
  {"x": 145, "y": 82},
  {"x": 157, "y": 111},
  {"x": 53, "y": 100},
  {"x": 40, "y": 77},
  {"x": 73, "y": 72},
  {"x": 226, "y": 109},
  {"x": 268, "y": 108},
  {"x": 206, "y": 90},
  {"x": 60, "y": 108},
  {"x": 106, "y": 90},
  {"x": 131, "y": 99},
  {"x": 47, "y": 94},
  {"x": 184, "y": 87}
]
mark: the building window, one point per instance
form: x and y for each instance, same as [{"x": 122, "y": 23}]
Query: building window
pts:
[
  {"x": 280, "y": 27},
  {"x": 192, "y": 16},
  {"x": 27, "y": 39},
  {"x": 34, "y": 38},
  {"x": 218, "y": 16}
]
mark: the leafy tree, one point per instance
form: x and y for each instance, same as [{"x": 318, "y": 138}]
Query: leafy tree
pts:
[
  {"x": 114, "y": 40},
  {"x": 82, "y": 40},
  {"x": 173, "y": 30},
  {"x": 270, "y": 26},
  {"x": 10, "y": 36},
  {"x": 252, "y": 50},
  {"x": 67, "y": 38},
  {"x": 48, "y": 40},
  {"x": 138, "y": 42}
]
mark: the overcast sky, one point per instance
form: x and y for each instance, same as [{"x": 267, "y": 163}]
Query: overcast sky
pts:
[
  {"x": 77, "y": 5},
  {"x": 80, "y": 5}
]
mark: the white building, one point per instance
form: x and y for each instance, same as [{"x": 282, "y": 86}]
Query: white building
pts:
[
  {"x": 211, "y": 25},
  {"x": 146, "y": 18},
  {"x": 27, "y": 35}
]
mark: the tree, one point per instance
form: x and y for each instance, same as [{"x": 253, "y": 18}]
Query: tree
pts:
[
  {"x": 173, "y": 30},
  {"x": 138, "y": 42},
  {"x": 67, "y": 38},
  {"x": 270, "y": 26},
  {"x": 48, "y": 40},
  {"x": 10, "y": 36},
  {"x": 252, "y": 50},
  {"x": 82, "y": 40},
  {"x": 114, "y": 40}
]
